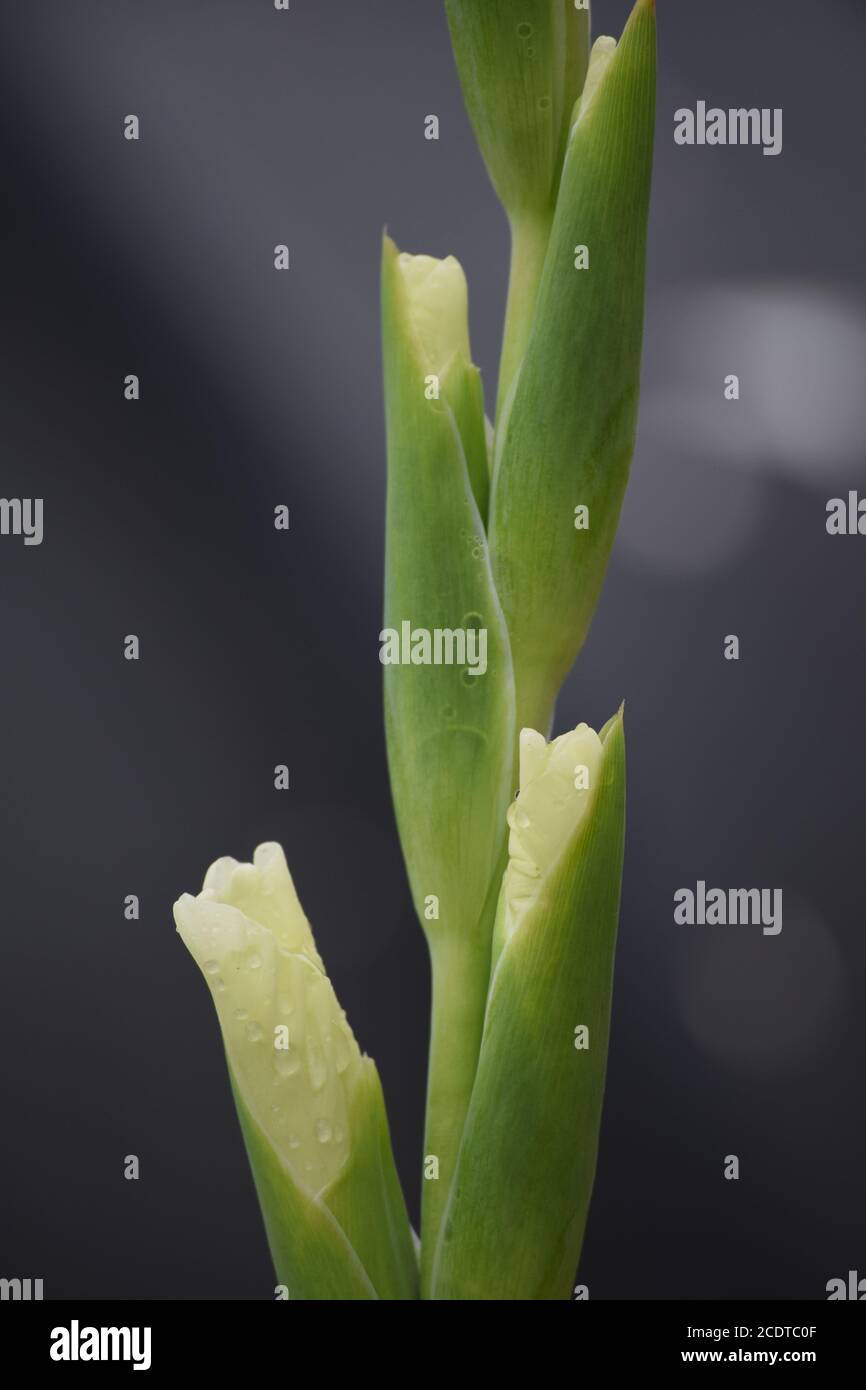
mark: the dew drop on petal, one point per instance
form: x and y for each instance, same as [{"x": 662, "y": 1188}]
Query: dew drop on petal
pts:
[
  {"x": 254, "y": 1031},
  {"x": 287, "y": 1063},
  {"x": 323, "y": 1131},
  {"x": 316, "y": 1064},
  {"x": 341, "y": 1052}
]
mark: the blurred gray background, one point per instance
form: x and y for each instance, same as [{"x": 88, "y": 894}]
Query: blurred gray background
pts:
[{"x": 258, "y": 648}]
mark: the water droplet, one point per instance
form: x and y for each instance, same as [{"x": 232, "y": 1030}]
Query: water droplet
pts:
[
  {"x": 294, "y": 1141},
  {"x": 323, "y": 1131},
  {"x": 211, "y": 967},
  {"x": 254, "y": 1031},
  {"x": 524, "y": 30},
  {"x": 342, "y": 1052},
  {"x": 288, "y": 1062},
  {"x": 254, "y": 960},
  {"x": 241, "y": 1014},
  {"x": 219, "y": 984},
  {"x": 516, "y": 817},
  {"x": 316, "y": 1064}
]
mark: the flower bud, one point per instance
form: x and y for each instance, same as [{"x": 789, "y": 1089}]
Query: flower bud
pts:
[
  {"x": 449, "y": 699},
  {"x": 565, "y": 437},
  {"x": 521, "y": 66},
  {"x": 310, "y": 1104},
  {"x": 514, "y": 1223}
]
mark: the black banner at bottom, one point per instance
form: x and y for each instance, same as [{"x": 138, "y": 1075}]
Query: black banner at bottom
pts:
[{"x": 159, "y": 1337}]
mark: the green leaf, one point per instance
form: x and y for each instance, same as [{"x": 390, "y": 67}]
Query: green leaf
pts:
[
  {"x": 566, "y": 437},
  {"x": 310, "y": 1105},
  {"x": 515, "y": 1220}
]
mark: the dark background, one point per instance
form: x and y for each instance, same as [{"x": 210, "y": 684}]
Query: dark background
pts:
[{"x": 306, "y": 127}]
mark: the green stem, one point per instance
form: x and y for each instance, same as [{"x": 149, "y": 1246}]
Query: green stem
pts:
[
  {"x": 460, "y": 966},
  {"x": 530, "y": 233}
]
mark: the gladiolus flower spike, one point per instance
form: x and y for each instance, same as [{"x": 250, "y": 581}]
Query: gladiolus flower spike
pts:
[{"x": 497, "y": 542}]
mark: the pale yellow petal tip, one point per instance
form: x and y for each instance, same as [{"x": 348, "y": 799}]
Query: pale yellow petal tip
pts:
[
  {"x": 557, "y": 787},
  {"x": 531, "y": 738},
  {"x": 533, "y": 752},
  {"x": 182, "y": 912},
  {"x": 227, "y": 878},
  {"x": 602, "y": 51},
  {"x": 263, "y": 893},
  {"x": 539, "y": 758},
  {"x": 437, "y": 300}
]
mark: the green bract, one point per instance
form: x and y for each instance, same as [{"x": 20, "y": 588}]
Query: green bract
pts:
[
  {"x": 449, "y": 727},
  {"x": 566, "y": 440},
  {"x": 310, "y": 1105},
  {"x": 522, "y": 66},
  {"x": 516, "y": 1216}
]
